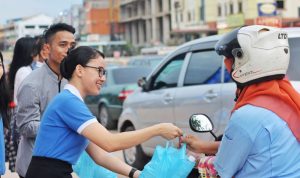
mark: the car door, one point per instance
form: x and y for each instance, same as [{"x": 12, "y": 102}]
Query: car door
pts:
[
  {"x": 228, "y": 91},
  {"x": 157, "y": 103},
  {"x": 199, "y": 89}
]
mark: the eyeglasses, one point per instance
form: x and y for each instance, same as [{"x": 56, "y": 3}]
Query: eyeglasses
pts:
[{"x": 101, "y": 70}]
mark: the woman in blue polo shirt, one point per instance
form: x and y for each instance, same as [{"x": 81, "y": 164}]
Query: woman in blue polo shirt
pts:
[
  {"x": 4, "y": 111},
  {"x": 68, "y": 127}
]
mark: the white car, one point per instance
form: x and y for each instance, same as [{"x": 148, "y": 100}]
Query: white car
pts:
[{"x": 190, "y": 80}]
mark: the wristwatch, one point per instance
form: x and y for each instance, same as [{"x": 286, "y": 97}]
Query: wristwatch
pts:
[{"x": 131, "y": 173}]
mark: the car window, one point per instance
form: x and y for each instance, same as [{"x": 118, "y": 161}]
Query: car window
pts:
[
  {"x": 168, "y": 76},
  {"x": 227, "y": 77},
  {"x": 204, "y": 68},
  {"x": 129, "y": 75},
  {"x": 293, "y": 71}
]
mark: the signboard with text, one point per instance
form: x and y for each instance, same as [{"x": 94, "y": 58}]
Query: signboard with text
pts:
[
  {"x": 269, "y": 21},
  {"x": 267, "y": 9}
]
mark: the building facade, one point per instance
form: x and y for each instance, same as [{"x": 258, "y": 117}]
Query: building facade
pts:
[
  {"x": 146, "y": 22},
  {"x": 192, "y": 19},
  {"x": 277, "y": 13},
  {"x": 33, "y": 26},
  {"x": 74, "y": 16},
  {"x": 77, "y": 19},
  {"x": 101, "y": 20},
  {"x": 28, "y": 26},
  {"x": 172, "y": 22}
]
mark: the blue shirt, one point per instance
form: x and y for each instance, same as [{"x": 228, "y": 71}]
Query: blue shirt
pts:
[
  {"x": 257, "y": 143},
  {"x": 63, "y": 121},
  {"x": 2, "y": 149}
]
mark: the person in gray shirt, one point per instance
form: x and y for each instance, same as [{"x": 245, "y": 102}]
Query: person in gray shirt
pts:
[{"x": 38, "y": 89}]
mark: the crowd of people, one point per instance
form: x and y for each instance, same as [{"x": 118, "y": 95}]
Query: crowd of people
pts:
[
  {"x": 66, "y": 75},
  {"x": 28, "y": 55},
  {"x": 42, "y": 106}
]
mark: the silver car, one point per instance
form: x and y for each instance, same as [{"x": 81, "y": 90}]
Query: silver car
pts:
[{"x": 190, "y": 80}]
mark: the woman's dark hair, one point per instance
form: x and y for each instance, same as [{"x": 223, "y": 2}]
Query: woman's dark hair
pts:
[
  {"x": 4, "y": 97},
  {"x": 38, "y": 45},
  {"x": 58, "y": 27},
  {"x": 81, "y": 55},
  {"x": 22, "y": 57}
]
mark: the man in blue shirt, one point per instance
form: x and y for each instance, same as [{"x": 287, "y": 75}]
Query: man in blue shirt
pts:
[
  {"x": 257, "y": 143},
  {"x": 262, "y": 138}
]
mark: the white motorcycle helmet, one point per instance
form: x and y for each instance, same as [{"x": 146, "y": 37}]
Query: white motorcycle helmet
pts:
[{"x": 260, "y": 53}]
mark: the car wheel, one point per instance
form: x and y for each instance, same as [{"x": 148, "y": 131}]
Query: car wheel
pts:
[
  {"x": 135, "y": 156},
  {"x": 105, "y": 119}
]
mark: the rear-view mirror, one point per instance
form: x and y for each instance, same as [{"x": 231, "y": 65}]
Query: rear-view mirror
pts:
[
  {"x": 142, "y": 82},
  {"x": 200, "y": 123}
]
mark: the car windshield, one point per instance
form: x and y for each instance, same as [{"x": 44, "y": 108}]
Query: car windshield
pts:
[
  {"x": 293, "y": 71},
  {"x": 129, "y": 75},
  {"x": 155, "y": 61},
  {"x": 145, "y": 61}
]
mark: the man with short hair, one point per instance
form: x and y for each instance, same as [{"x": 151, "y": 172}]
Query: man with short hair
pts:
[
  {"x": 38, "y": 89},
  {"x": 262, "y": 138}
]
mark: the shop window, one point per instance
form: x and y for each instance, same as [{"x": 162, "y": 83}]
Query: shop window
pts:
[
  {"x": 231, "y": 8},
  {"x": 280, "y": 4},
  {"x": 240, "y": 6},
  {"x": 219, "y": 11}
]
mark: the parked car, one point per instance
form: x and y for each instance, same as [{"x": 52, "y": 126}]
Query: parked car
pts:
[
  {"x": 145, "y": 60},
  {"x": 190, "y": 80},
  {"x": 120, "y": 82}
]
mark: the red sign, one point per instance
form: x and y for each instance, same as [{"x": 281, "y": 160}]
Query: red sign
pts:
[{"x": 269, "y": 21}]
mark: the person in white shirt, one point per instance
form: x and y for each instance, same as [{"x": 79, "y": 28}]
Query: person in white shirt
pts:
[
  {"x": 38, "y": 55},
  {"x": 29, "y": 54}
]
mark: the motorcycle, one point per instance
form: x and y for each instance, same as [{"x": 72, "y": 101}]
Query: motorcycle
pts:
[{"x": 202, "y": 123}]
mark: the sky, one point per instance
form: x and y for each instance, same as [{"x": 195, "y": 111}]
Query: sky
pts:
[{"x": 10, "y": 9}]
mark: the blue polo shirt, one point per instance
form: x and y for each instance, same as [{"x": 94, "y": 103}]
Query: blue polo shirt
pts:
[
  {"x": 59, "y": 135},
  {"x": 257, "y": 143},
  {"x": 2, "y": 148}
]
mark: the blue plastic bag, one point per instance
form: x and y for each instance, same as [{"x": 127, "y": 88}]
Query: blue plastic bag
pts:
[
  {"x": 168, "y": 162},
  {"x": 87, "y": 168}
]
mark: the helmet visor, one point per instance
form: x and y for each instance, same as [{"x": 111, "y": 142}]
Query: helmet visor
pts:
[{"x": 227, "y": 43}]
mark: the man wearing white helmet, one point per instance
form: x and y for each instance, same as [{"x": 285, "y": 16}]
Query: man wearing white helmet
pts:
[{"x": 262, "y": 138}]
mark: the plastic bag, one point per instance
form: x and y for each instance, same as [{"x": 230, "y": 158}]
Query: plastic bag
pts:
[
  {"x": 87, "y": 168},
  {"x": 168, "y": 162}
]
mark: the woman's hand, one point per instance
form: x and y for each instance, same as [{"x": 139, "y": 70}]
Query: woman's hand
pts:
[{"x": 168, "y": 131}]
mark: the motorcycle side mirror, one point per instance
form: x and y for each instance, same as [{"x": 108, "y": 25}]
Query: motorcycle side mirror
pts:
[{"x": 201, "y": 123}]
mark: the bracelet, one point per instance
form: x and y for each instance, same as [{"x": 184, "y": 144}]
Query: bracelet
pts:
[{"x": 131, "y": 173}]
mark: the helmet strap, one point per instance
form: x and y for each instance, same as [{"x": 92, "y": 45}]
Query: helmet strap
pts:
[
  {"x": 238, "y": 91},
  {"x": 239, "y": 87}
]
